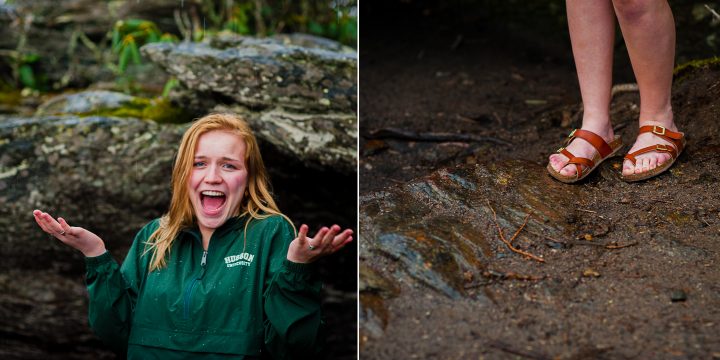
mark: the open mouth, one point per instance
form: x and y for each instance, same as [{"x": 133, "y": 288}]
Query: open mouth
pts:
[{"x": 212, "y": 201}]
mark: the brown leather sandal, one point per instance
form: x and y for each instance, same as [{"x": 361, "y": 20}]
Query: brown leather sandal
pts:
[
  {"x": 678, "y": 144},
  {"x": 604, "y": 151}
]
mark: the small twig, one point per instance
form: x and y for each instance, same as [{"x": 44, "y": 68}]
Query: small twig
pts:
[
  {"x": 510, "y": 275},
  {"x": 713, "y": 12},
  {"x": 620, "y": 246},
  {"x": 632, "y": 87},
  {"x": 589, "y": 211},
  {"x": 398, "y": 134},
  {"x": 508, "y": 243},
  {"x": 662, "y": 201}
]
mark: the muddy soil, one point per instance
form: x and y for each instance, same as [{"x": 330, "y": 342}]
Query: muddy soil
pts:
[{"x": 514, "y": 87}]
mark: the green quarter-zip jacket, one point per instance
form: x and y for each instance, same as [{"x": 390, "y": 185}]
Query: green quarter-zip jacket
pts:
[{"x": 240, "y": 299}]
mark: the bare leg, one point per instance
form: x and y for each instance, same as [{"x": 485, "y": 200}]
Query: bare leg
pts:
[
  {"x": 592, "y": 34},
  {"x": 649, "y": 32}
]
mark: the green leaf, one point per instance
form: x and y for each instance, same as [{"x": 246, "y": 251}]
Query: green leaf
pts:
[
  {"x": 169, "y": 85},
  {"x": 115, "y": 40},
  {"x": 124, "y": 57},
  {"x": 133, "y": 24},
  {"x": 315, "y": 28},
  {"x": 152, "y": 37},
  {"x": 27, "y": 77},
  {"x": 30, "y": 58},
  {"x": 134, "y": 53},
  {"x": 168, "y": 38}
]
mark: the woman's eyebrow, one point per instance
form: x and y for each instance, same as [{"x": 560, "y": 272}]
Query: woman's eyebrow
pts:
[{"x": 202, "y": 157}]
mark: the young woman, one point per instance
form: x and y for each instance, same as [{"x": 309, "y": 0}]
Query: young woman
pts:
[
  {"x": 649, "y": 32},
  {"x": 220, "y": 275}
]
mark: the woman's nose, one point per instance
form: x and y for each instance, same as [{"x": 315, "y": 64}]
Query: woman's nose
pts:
[{"x": 212, "y": 175}]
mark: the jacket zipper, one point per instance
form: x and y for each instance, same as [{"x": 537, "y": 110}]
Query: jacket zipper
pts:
[{"x": 191, "y": 287}]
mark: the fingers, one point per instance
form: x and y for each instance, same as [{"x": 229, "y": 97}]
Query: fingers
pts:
[
  {"x": 38, "y": 219},
  {"x": 341, "y": 240},
  {"x": 66, "y": 227},
  {"x": 329, "y": 236},
  {"x": 318, "y": 242},
  {"x": 302, "y": 235},
  {"x": 48, "y": 223}
]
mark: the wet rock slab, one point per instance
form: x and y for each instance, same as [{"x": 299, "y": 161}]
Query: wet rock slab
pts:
[{"x": 433, "y": 267}]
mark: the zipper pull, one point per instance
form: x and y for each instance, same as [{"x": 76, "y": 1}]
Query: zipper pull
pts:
[{"x": 204, "y": 259}]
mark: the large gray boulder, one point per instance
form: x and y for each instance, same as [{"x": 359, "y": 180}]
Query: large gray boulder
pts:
[
  {"x": 297, "y": 91},
  {"x": 263, "y": 73}
]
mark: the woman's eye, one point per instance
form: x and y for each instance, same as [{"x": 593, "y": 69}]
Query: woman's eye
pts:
[
  {"x": 198, "y": 163},
  {"x": 230, "y": 166}
]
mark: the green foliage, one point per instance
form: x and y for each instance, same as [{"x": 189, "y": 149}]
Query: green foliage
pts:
[
  {"x": 169, "y": 85},
  {"x": 331, "y": 19},
  {"x": 129, "y": 35}
]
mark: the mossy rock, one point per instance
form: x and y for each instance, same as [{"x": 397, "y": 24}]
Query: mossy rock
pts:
[
  {"x": 114, "y": 104},
  {"x": 682, "y": 71}
]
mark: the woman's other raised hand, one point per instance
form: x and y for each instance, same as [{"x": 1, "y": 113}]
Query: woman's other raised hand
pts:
[
  {"x": 84, "y": 241},
  {"x": 305, "y": 249}
]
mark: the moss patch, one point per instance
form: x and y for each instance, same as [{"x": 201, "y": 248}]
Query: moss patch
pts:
[
  {"x": 681, "y": 71},
  {"x": 159, "y": 109}
]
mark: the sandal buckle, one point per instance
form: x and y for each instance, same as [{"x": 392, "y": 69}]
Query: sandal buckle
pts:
[
  {"x": 656, "y": 132},
  {"x": 661, "y": 147},
  {"x": 572, "y": 133},
  {"x": 560, "y": 149}
]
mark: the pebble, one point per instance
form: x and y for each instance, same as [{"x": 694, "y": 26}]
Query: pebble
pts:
[{"x": 678, "y": 295}]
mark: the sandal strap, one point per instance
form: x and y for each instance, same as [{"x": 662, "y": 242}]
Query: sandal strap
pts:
[
  {"x": 671, "y": 136},
  {"x": 595, "y": 140},
  {"x": 578, "y": 161},
  {"x": 658, "y": 147}
]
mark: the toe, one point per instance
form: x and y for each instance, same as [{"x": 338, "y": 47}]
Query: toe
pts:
[
  {"x": 645, "y": 164},
  {"x": 638, "y": 166},
  {"x": 628, "y": 168},
  {"x": 652, "y": 163},
  {"x": 557, "y": 161},
  {"x": 569, "y": 170}
]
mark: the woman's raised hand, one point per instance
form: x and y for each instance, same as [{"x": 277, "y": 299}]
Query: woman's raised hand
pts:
[
  {"x": 305, "y": 249},
  {"x": 85, "y": 241}
]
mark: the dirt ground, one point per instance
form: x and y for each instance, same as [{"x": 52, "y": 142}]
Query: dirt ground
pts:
[{"x": 517, "y": 85}]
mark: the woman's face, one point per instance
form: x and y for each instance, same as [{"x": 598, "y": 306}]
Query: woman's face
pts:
[{"x": 218, "y": 179}]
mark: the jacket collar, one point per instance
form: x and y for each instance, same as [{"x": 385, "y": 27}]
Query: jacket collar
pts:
[{"x": 233, "y": 223}]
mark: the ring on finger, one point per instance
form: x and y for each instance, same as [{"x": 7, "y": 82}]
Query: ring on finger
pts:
[
  {"x": 311, "y": 247},
  {"x": 62, "y": 232}
]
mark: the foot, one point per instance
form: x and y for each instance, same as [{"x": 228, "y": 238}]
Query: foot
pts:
[
  {"x": 651, "y": 160},
  {"x": 580, "y": 148}
]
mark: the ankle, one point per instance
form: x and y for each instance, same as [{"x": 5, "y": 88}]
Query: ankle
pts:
[
  {"x": 668, "y": 124},
  {"x": 604, "y": 131},
  {"x": 662, "y": 118},
  {"x": 598, "y": 124}
]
